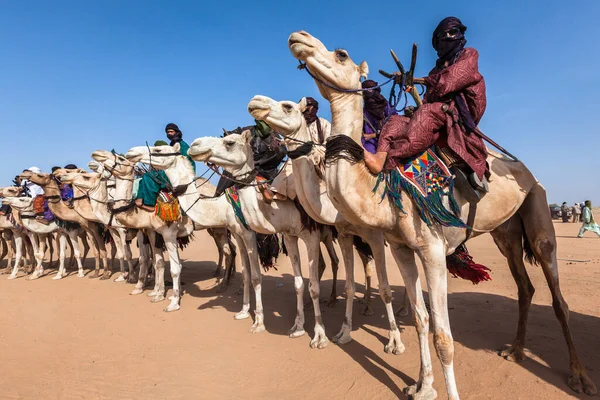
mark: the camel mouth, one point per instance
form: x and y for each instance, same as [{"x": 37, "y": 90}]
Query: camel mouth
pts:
[
  {"x": 99, "y": 156},
  {"x": 133, "y": 156},
  {"x": 199, "y": 153},
  {"x": 298, "y": 44},
  {"x": 258, "y": 109},
  {"x": 94, "y": 166}
]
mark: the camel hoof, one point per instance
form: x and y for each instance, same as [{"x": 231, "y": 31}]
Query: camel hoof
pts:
[
  {"x": 81, "y": 275},
  {"x": 94, "y": 275},
  {"x": 342, "y": 338},
  {"x": 512, "y": 353},
  {"x": 57, "y": 277},
  {"x": 33, "y": 276},
  {"x": 367, "y": 310},
  {"x": 153, "y": 293},
  {"x": 242, "y": 315},
  {"x": 12, "y": 277},
  {"x": 137, "y": 291},
  {"x": 257, "y": 328},
  {"x": 120, "y": 279},
  {"x": 105, "y": 277},
  {"x": 221, "y": 288},
  {"x": 581, "y": 383},
  {"x": 392, "y": 348},
  {"x": 423, "y": 393},
  {"x": 319, "y": 342},
  {"x": 296, "y": 332},
  {"x": 172, "y": 307},
  {"x": 132, "y": 280},
  {"x": 402, "y": 312},
  {"x": 158, "y": 299},
  {"x": 332, "y": 302}
]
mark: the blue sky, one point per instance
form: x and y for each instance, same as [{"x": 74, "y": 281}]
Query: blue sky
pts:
[{"x": 83, "y": 75}]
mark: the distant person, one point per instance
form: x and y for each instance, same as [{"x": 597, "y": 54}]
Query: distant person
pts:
[
  {"x": 564, "y": 211},
  {"x": 588, "y": 221},
  {"x": 376, "y": 112},
  {"x": 576, "y": 211}
]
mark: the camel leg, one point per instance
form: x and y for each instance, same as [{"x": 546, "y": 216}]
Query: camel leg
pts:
[
  {"x": 29, "y": 254},
  {"x": 117, "y": 246},
  {"x": 38, "y": 251},
  {"x": 542, "y": 239},
  {"x": 4, "y": 246},
  {"x": 376, "y": 241},
  {"x": 369, "y": 266},
  {"x": 144, "y": 265},
  {"x": 61, "y": 238},
  {"x": 213, "y": 233},
  {"x": 291, "y": 242},
  {"x": 405, "y": 258},
  {"x": 175, "y": 268},
  {"x": 128, "y": 258},
  {"x": 256, "y": 276},
  {"x": 158, "y": 293},
  {"x": 101, "y": 249},
  {"x": 72, "y": 258},
  {"x": 222, "y": 242},
  {"x": 73, "y": 239},
  {"x": 19, "y": 250},
  {"x": 344, "y": 335},
  {"x": 312, "y": 241},
  {"x": 504, "y": 237},
  {"x": 248, "y": 239},
  {"x": 230, "y": 261},
  {"x": 434, "y": 262},
  {"x": 335, "y": 261}
]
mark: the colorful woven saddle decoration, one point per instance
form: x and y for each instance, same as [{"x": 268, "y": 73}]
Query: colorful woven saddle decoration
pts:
[
  {"x": 234, "y": 199},
  {"x": 167, "y": 206},
  {"x": 427, "y": 180}
]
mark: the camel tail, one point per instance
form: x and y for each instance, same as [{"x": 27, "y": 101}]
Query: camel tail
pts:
[
  {"x": 362, "y": 247},
  {"x": 530, "y": 256}
]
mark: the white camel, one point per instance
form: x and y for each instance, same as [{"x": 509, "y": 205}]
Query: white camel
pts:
[
  {"x": 234, "y": 154},
  {"x": 35, "y": 230},
  {"x": 515, "y": 211},
  {"x": 286, "y": 118}
]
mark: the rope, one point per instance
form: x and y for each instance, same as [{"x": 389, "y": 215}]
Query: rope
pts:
[{"x": 330, "y": 86}]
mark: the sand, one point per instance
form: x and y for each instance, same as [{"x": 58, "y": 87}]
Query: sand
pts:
[{"x": 85, "y": 338}]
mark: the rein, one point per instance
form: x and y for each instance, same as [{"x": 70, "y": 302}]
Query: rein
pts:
[{"x": 330, "y": 86}]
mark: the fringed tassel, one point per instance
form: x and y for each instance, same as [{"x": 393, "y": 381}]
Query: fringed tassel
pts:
[
  {"x": 184, "y": 241},
  {"x": 431, "y": 208},
  {"x": 461, "y": 265},
  {"x": 268, "y": 250}
]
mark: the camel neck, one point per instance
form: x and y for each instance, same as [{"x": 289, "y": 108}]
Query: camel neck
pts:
[{"x": 346, "y": 115}]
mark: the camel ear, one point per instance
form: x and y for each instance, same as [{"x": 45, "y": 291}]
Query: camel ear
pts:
[
  {"x": 177, "y": 147},
  {"x": 247, "y": 136},
  {"x": 302, "y": 104},
  {"x": 363, "y": 68}
]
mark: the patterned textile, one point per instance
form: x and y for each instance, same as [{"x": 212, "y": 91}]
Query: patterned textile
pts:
[
  {"x": 234, "y": 199},
  {"x": 38, "y": 205},
  {"x": 426, "y": 180},
  {"x": 402, "y": 137},
  {"x": 167, "y": 206}
]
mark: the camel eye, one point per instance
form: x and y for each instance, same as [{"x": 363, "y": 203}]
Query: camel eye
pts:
[
  {"x": 341, "y": 55},
  {"x": 287, "y": 107}
]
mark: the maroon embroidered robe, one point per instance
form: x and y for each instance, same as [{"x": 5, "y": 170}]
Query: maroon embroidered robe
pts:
[{"x": 402, "y": 137}]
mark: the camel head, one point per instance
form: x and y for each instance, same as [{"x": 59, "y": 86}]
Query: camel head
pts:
[
  {"x": 11, "y": 191},
  {"x": 36, "y": 177},
  {"x": 233, "y": 152},
  {"x": 20, "y": 203},
  {"x": 159, "y": 157},
  {"x": 85, "y": 181},
  {"x": 115, "y": 163},
  {"x": 63, "y": 171},
  {"x": 284, "y": 117},
  {"x": 333, "y": 67}
]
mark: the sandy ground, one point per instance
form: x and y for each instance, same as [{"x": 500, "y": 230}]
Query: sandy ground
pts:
[{"x": 83, "y": 338}]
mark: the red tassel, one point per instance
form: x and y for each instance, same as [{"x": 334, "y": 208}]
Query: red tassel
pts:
[{"x": 461, "y": 265}]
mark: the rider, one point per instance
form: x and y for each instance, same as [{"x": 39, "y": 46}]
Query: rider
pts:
[
  {"x": 268, "y": 152},
  {"x": 376, "y": 112},
  {"x": 154, "y": 181},
  {"x": 453, "y": 106}
]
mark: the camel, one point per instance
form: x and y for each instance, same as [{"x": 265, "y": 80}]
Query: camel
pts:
[
  {"x": 64, "y": 213},
  {"x": 234, "y": 154},
  {"x": 82, "y": 205},
  {"x": 95, "y": 187},
  {"x": 127, "y": 214},
  {"x": 35, "y": 230},
  {"x": 514, "y": 211},
  {"x": 286, "y": 118},
  {"x": 217, "y": 212},
  {"x": 15, "y": 245}
]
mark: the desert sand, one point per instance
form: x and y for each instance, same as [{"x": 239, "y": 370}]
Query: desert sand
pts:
[{"x": 89, "y": 339}]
